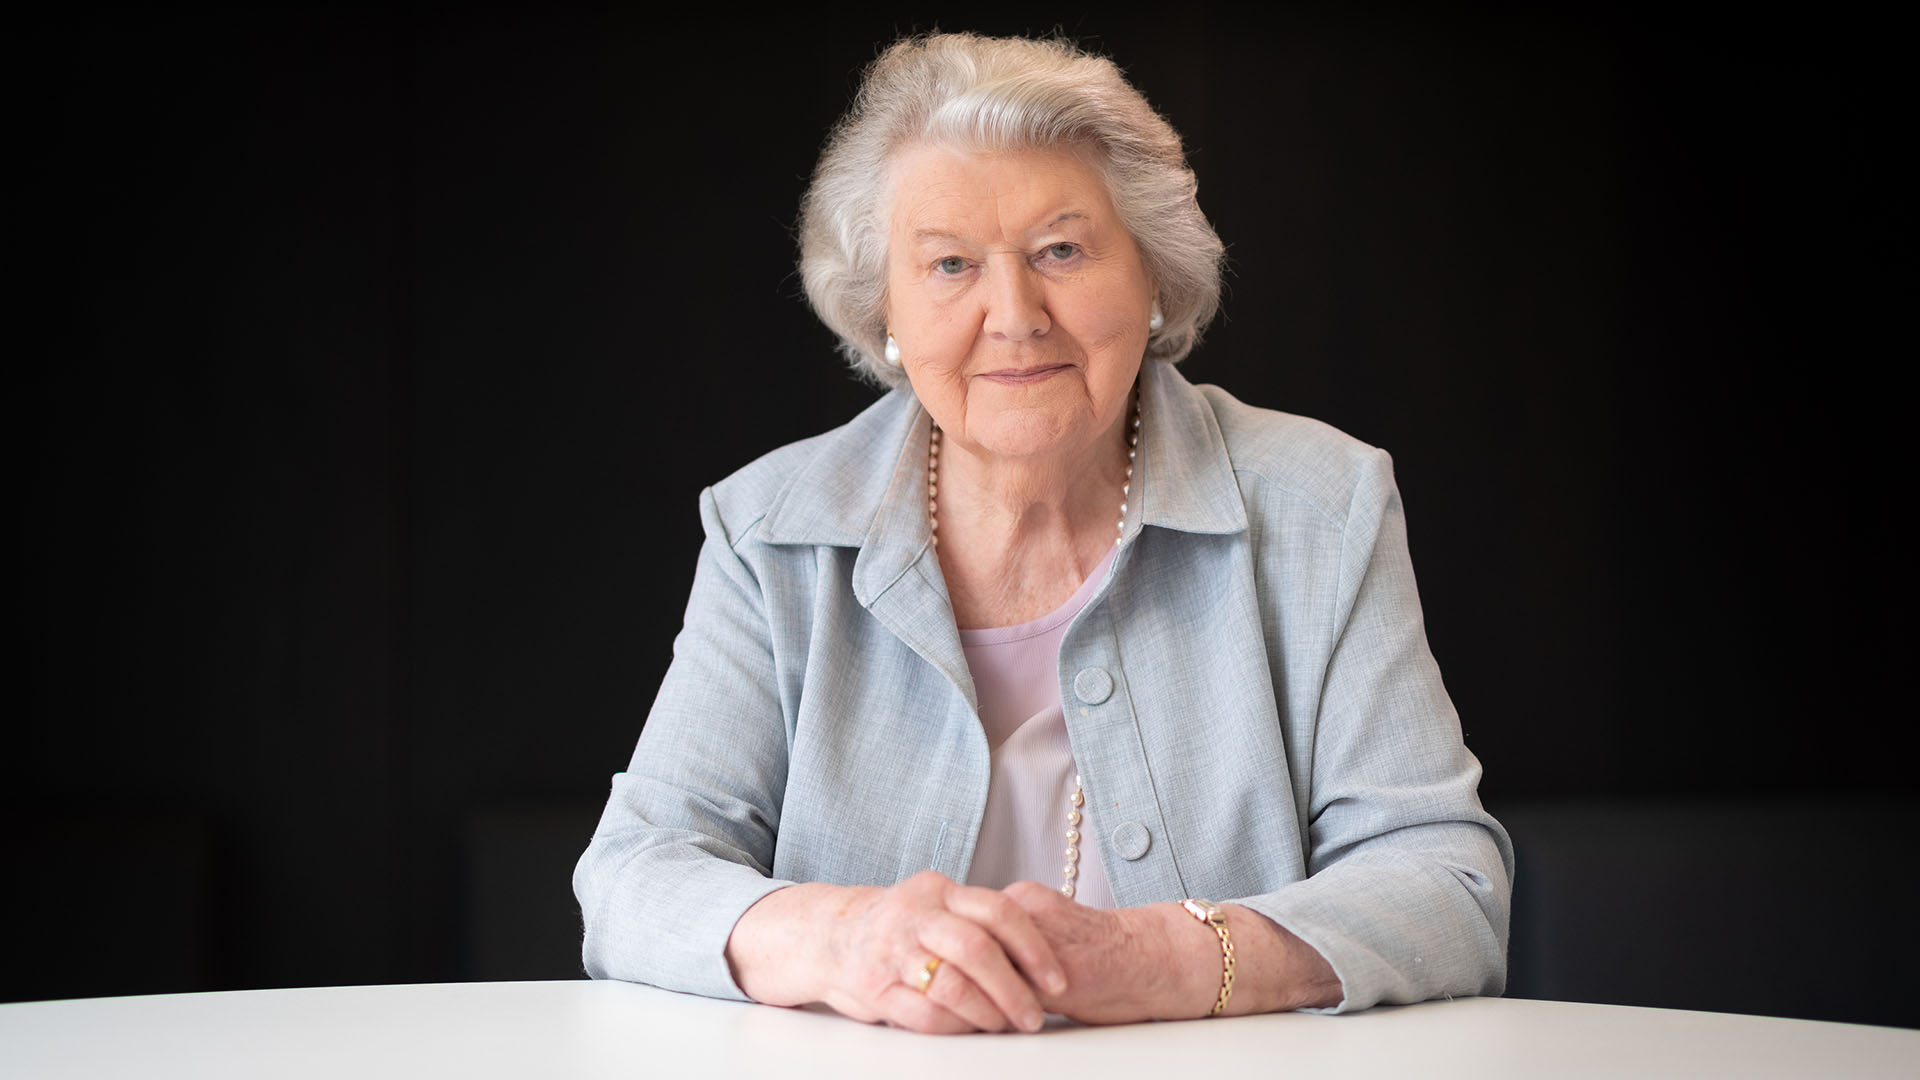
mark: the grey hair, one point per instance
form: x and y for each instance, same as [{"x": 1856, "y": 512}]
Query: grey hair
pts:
[{"x": 997, "y": 94}]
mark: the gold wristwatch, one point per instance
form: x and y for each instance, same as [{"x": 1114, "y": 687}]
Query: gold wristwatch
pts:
[{"x": 1209, "y": 912}]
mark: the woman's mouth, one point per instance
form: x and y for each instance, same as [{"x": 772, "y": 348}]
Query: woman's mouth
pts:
[{"x": 1023, "y": 376}]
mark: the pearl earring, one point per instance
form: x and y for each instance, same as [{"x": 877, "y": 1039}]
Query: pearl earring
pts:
[
  {"x": 893, "y": 351},
  {"x": 1156, "y": 320}
]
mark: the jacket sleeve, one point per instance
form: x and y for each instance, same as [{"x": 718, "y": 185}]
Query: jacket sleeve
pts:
[
  {"x": 1409, "y": 878},
  {"x": 686, "y": 844}
]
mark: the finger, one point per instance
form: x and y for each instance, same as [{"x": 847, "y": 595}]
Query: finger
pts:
[
  {"x": 1001, "y": 915},
  {"x": 1034, "y": 898},
  {"x": 952, "y": 990},
  {"x": 903, "y": 1006},
  {"x": 979, "y": 956}
]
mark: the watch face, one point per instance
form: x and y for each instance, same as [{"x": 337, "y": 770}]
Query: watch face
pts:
[{"x": 1204, "y": 910}]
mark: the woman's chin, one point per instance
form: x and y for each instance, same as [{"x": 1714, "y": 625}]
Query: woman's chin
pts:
[{"x": 1028, "y": 438}]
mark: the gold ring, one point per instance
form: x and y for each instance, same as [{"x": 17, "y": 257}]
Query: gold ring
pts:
[{"x": 926, "y": 973}]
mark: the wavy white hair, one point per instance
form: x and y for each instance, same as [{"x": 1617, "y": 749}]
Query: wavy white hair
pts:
[{"x": 983, "y": 94}]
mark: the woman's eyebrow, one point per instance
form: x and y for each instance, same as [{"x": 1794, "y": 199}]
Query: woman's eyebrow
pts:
[
  {"x": 924, "y": 236},
  {"x": 1066, "y": 215},
  {"x": 1054, "y": 225}
]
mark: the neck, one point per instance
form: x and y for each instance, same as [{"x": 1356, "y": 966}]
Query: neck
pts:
[
  {"x": 1016, "y": 537},
  {"x": 1075, "y": 491}
]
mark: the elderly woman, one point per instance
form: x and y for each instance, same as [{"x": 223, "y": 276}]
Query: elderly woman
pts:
[{"x": 1052, "y": 682}]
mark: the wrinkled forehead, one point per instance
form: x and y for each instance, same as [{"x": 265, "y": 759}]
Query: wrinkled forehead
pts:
[{"x": 925, "y": 176}]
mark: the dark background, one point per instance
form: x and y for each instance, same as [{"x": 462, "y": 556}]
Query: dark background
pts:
[{"x": 376, "y": 359}]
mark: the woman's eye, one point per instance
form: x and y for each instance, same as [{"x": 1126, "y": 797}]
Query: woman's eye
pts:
[
  {"x": 952, "y": 264},
  {"x": 1060, "y": 252}
]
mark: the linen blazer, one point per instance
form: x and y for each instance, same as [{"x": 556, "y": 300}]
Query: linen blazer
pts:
[{"x": 1253, "y": 708}]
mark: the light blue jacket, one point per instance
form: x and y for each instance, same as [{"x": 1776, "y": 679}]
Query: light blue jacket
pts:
[{"x": 1252, "y": 704}]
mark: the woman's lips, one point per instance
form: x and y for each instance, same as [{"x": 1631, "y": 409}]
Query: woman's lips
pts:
[{"x": 1022, "y": 376}]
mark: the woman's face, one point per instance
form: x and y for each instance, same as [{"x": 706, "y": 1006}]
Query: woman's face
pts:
[{"x": 1018, "y": 301}]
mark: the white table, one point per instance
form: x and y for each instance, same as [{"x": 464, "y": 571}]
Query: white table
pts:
[{"x": 476, "y": 1031}]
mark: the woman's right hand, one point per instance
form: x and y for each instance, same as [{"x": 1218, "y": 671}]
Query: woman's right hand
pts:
[{"x": 863, "y": 950}]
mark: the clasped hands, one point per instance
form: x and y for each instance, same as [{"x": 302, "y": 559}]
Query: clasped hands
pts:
[{"x": 1006, "y": 956}]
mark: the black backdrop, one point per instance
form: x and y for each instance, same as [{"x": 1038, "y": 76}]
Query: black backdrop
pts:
[{"x": 375, "y": 361}]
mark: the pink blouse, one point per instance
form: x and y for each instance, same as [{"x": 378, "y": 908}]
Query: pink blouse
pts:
[{"x": 1023, "y": 836}]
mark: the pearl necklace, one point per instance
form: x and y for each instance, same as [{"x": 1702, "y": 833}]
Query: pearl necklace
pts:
[{"x": 1070, "y": 873}]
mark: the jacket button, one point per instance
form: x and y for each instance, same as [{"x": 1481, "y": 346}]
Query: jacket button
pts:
[
  {"x": 1093, "y": 685},
  {"x": 1131, "y": 840}
]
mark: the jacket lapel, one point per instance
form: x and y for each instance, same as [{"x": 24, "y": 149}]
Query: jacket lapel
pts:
[{"x": 840, "y": 499}]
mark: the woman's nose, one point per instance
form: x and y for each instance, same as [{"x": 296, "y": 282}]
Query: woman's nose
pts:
[{"x": 1016, "y": 303}]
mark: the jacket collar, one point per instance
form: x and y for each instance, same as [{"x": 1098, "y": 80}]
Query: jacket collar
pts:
[
  {"x": 1186, "y": 482},
  {"x": 844, "y": 497}
]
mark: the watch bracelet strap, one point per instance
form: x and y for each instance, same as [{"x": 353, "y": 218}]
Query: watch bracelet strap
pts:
[{"x": 1217, "y": 922}]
